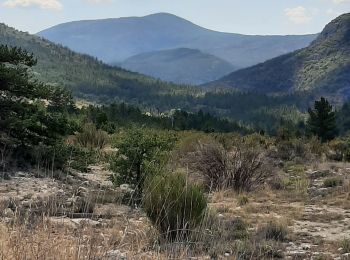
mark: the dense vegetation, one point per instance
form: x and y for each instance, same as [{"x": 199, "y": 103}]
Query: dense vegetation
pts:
[
  {"x": 168, "y": 165},
  {"x": 323, "y": 67},
  {"x": 92, "y": 80},
  {"x": 32, "y": 115}
]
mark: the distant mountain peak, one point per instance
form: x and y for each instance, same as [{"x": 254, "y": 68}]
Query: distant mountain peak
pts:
[{"x": 117, "y": 39}]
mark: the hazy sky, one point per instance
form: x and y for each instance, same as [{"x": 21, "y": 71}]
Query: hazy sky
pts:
[{"x": 239, "y": 16}]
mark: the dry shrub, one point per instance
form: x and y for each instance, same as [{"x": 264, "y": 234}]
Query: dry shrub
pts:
[
  {"x": 241, "y": 168},
  {"x": 91, "y": 138},
  {"x": 46, "y": 241},
  {"x": 273, "y": 231},
  {"x": 338, "y": 150}
]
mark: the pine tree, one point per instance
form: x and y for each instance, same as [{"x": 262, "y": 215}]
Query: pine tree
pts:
[
  {"x": 322, "y": 120},
  {"x": 31, "y": 113}
]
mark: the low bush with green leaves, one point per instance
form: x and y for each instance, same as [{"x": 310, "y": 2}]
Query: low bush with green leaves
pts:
[
  {"x": 332, "y": 182},
  {"x": 142, "y": 152},
  {"x": 174, "y": 206}
]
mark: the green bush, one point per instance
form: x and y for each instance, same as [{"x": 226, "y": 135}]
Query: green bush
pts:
[
  {"x": 174, "y": 206},
  {"x": 142, "y": 152},
  {"x": 332, "y": 182}
]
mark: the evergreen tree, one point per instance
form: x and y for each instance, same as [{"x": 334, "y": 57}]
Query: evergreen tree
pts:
[
  {"x": 322, "y": 120},
  {"x": 31, "y": 113}
]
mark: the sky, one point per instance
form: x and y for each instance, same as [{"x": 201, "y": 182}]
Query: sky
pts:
[{"x": 263, "y": 17}]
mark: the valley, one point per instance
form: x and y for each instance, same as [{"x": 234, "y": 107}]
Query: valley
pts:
[{"x": 160, "y": 139}]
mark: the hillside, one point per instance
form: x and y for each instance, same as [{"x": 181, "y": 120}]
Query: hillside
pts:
[
  {"x": 96, "y": 82},
  {"x": 323, "y": 67},
  {"x": 84, "y": 75},
  {"x": 183, "y": 65},
  {"x": 114, "y": 40}
]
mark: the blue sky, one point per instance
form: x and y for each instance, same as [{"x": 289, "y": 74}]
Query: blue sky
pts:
[{"x": 239, "y": 16}]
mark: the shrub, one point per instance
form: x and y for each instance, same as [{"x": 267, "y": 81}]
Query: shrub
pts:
[
  {"x": 236, "y": 229},
  {"x": 174, "y": 206},
  {"x": 210, "y": 159},
  {"x": 273, "y": 231},
  {"x": 92, "y": 138},
  {"x": 292, "y": 149},
  {"x": 345, "y": 245},
  {"x": 217, "y": 236},
  {"x": 242, "y": 200},
  {"x": 332, "y": 182},
  {"x": 241, "y": 168},
  {"x": 142, "y": 152},
  {"x": 316, "y": 146},
  {"x": 338, "y": 150}
]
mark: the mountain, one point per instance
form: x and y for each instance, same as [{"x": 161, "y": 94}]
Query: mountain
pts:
[
  {"x": 182, "y": 65},
  {"x": 92, "y": 80},
  {"x": 86, "y": 76},
  {"x": 115, "y": 40},
  {"x": 323, "y": 67}
]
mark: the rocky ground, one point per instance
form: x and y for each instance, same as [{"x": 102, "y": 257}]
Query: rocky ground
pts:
[{"x": 312, "y": 201}]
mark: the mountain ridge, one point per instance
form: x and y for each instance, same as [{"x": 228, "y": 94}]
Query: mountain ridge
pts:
[
  {"x": 181, "y": 65},
  {"x": 126, "y": 37},
  {"x": 322, "y": 67}
]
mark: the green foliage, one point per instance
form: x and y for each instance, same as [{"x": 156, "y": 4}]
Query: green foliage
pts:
[
  {"x": 92, "y": 80},
  {"x": 108, "y": 117},
  {"x": 31, "y": 114},
  {"x": 322, "y": 120},
  {"x": 173, "y": 205},
  {"x": 345, "y": 245},
  {"x": 322, "y": 67},
  {"x": 292, "y": 149},
  {"x": 332, "y": 182},
  {"x": 141, "y": 152}
]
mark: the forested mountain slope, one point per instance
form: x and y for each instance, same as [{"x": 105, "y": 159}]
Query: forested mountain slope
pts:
[
  {"x": 322, "y": 68},
  {"x": 86, "y": 76}
]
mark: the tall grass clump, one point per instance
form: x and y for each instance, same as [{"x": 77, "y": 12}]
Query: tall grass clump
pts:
[
  {"x": 91, "y": 138},
  {"x": 174, "y": 206}
]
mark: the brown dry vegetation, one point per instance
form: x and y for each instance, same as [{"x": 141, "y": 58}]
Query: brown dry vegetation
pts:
[{"x": 291, "y": 214}]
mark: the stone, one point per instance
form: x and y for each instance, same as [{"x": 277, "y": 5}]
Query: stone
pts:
[
  {"x": 116, "y": 255},
  {"x": 8, "y": 213},
  {"x": 27, "y": 203}
]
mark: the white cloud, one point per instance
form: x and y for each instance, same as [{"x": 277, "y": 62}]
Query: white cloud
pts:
[
  {"x": 298, "y": 15},
  {"x": 43, "y": 4}
]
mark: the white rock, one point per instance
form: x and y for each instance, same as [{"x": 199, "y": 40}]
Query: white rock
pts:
[
  {"x": 8, "y": 213},
  {"x": 116, "y": 255}
]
